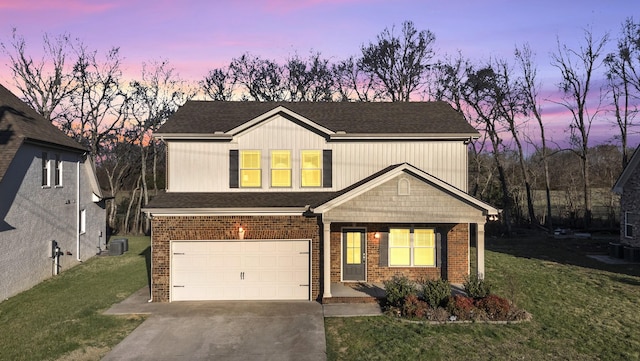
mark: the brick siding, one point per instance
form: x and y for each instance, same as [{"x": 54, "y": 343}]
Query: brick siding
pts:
[
  {"x": 455, "y": 265},
  {"x": 165, "y": 229}
]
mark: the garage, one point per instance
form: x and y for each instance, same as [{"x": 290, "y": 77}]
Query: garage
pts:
[{"x": 240, "y": 270}]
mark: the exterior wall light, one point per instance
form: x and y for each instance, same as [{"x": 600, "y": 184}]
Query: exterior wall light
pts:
[
  {"x": 240, "y": 233},
  {"x": 377, "y": 235}
]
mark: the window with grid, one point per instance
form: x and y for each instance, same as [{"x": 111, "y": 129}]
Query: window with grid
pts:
[
  {"x": 628, "y": 224},
  {"x": 250, "y": 171},
  {"x": 58, "y": 171},
  {"x": 412, "y": 247},
  {"x": 311, "y": 172},
  {"x": 46, "y": 170},
  {"x": 281, "y": 168}
]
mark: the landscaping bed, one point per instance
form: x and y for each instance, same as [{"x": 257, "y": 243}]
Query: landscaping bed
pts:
[{"x": 432, "y": 301}]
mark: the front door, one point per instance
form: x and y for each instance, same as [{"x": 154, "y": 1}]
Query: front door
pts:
[{"x": 353, "y": 255}]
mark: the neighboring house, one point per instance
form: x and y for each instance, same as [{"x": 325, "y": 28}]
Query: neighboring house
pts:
[
  {"x": 282, "y": 200},
  {"x": 48, "y": 192},
  {"x": 628, "y": 187}
]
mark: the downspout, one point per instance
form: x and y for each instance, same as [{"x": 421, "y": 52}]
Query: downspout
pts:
[
  {"x": 78, "y": 210},
  {"x": 151, "y": 264}
]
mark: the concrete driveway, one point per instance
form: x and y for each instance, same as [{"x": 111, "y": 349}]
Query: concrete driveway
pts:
[{"x": 222, "y": 331}]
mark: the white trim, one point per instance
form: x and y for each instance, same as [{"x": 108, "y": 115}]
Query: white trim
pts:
[
  {"x": 403, "y": 136},
  {"x": 627, "y": 224},
  {"x": 169, "y": 212},
  {"x": 412, "y": 228}
]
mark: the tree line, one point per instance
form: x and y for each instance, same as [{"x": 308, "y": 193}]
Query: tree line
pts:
[{"x": 85, "y": 93}]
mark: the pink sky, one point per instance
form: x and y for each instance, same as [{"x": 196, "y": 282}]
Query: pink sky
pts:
[{"x": 197, "y": 35}]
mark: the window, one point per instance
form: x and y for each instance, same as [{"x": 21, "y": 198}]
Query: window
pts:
[
  {"x": 628, "y": 226},
  {"x": 58, "y": 172},
  {"x": 82, "y": 227},
  {"x": 412, "y": 247},
  {"x": 250, "y": 173},
  {"x": 281, "y": 168},
  {"x": 46, "y": 170},
  {"x": 353, "y": 247},
  {"x": 311, "y": 173}
]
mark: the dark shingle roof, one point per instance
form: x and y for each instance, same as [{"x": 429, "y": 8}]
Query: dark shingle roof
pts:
[
  {"x": 20, "y": 123},
  {"x": 352, "y": 117}
]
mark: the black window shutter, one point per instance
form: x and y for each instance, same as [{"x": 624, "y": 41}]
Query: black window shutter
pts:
[
  {"x": 233, "y": 168},
  {"x": 384, "y": 249},
  {"x": 438, "y": 249},
  {"x": 327, "y": 162}
]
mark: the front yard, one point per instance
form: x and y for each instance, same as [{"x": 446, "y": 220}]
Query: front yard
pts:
[
  {"x": 61, "y": 318},
  {"x": 582, "y": 310}
]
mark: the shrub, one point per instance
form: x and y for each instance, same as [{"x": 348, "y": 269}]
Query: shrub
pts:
[
  {"x": 436, "y": 292},
  {"x": 476, "y": 287},
  {"x": 414, "y": 307},
  {"x": 496, "y": 307},
  {"x": 462, "y": 307},
  {"x": 397, "y": 289}
]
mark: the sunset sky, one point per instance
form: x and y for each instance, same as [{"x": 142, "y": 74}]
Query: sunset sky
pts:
[{"x": 198, "y": 35}]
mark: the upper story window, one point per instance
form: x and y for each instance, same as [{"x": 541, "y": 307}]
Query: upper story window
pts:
[
  {"x": 58, "y": 171},
  {"x": 46, "y": 170},
  {"x": 311, "y": 172},
  {"x": 628, "y": 225},
  {"x": 412, "y": 247},
  {"x": 281, "y": 168},
  {"x": 250, "y": 171}
]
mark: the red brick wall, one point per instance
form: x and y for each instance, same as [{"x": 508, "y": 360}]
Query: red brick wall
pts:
[
  {"x": 457, "y": 255},
  {"x": 165, "y": 229}
]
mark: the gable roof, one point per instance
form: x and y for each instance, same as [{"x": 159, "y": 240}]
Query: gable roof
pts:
[
  {"x": 627, "y": 172},
  {"x": 332, "y": 118},
  {"x": 293, "y": 202},
  {"x": 19, "y": 123}
]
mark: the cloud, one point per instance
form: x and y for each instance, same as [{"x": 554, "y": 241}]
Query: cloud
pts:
[{"x": 76, "y": 6}]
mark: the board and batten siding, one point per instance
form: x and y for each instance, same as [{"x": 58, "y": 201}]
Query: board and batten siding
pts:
[{"x": 203, "y": 166}]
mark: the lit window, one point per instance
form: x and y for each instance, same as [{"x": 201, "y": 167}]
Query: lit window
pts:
[
  {"x": 412, "y": 247},
  {"x": 353, "y": 248},
  {"x": 311, "y": 172},
  {"x": 250, "y": 173},
  {"x": 46, "y": 170},
  {"x": 281, "y": 168},
  {"x": 58, "y": 171}
]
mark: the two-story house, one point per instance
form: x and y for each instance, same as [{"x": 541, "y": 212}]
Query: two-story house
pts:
[
  {"x": 52, "y": 215},
  {"x": 282, "y": 200}
]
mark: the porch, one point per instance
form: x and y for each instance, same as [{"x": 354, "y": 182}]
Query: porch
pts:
[{"x": 356, "y": 292}]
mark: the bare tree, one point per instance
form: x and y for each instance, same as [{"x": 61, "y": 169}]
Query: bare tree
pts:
[
  {"x": 399, "y": 62},
  {"x": 479, "y": 93},
  {"x": 530, "y": 92},
  {"x": 44, "y": 83},
  {"x": 218, "y": 84},
  {"x": 577, "y": 68},
  {"x": 309, "y": 79},
  {"x": 623, "y": 75},
  {"x": 261, "y": 78},
  {"x": 95, "y": 109},
  {"x": 154, "y": 97},
  {"x": 354, "y": 84}
]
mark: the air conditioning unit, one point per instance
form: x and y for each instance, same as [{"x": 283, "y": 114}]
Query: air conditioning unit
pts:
[
  {"x": 125, "y": 242},
  {"x": 116, "y": 247}
]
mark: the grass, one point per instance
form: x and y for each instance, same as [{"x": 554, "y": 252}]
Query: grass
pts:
[
  {"x": 61, "y": 318},
  {"x": 582, "y": 310}
]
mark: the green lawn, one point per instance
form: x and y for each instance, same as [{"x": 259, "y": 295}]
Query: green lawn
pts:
[
  {"x": 582, "y": 310},
  {"x": 61, "y": 318}
]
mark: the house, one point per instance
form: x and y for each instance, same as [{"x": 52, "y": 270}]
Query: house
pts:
[
  {"x": 276, "y": 200},
  {"x": 51, "y": 212},
  {"x": 628, "y": 187}
]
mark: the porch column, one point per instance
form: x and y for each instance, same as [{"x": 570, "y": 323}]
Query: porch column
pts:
[
  {"x": 327, "y": 260},
  {"x": 480, "y": 249}
]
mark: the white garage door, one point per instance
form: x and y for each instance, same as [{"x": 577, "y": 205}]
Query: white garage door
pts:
[{"x": 240, "y": 270}]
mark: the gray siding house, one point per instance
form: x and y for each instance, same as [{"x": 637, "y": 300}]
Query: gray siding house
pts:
[
  {"x": 283, "y": 200},
  {"x": 628, "y": 187},
  {"x": 49, "y": 196}
]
